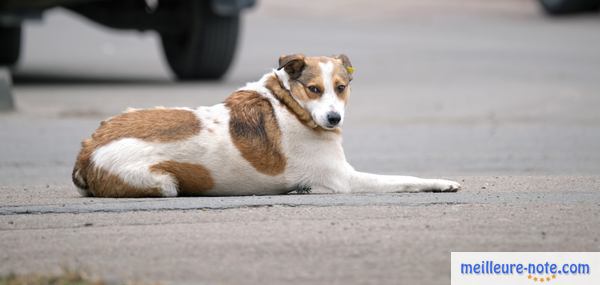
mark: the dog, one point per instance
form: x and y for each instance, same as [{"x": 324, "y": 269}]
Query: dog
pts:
[{"x": 274, "y": 136}]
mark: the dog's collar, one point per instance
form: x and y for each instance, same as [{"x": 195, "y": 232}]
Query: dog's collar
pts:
[{"x": 285, "y": 97}]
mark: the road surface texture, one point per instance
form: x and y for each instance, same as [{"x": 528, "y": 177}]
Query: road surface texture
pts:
[{"x": 489, "y": 93}]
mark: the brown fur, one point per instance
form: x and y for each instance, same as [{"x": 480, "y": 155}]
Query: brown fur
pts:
[
  {"x": 291, "y": 104},
  {"x": 310, "y": 75},
  {"x": 192, "y": 179},
  {"x": 293, "y": 64},
  {"x": 255, "y": 132},
  {"x": 341, "y": 76},
  {"x": 347, "y": 66},
  {"x": 156, "y": 125}
]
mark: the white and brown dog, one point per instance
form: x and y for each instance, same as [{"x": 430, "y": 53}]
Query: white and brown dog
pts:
[{"x": 273, "y": 136}]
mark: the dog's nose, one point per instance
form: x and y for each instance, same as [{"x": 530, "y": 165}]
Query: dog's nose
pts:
[{"x": 333, "y": 118}]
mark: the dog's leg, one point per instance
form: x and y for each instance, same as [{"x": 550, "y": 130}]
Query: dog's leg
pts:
[
  {"x": 141, "y": 177},
  {"x": 367, "y": 182},
  {"x": 167, "y": 185},
  {"x": 131, "y": 160}
]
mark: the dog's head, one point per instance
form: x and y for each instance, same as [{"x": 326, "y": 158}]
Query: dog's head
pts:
[{"x": 320, "y": 84}]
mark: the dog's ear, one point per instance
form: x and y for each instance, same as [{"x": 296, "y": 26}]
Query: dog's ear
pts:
[
  {"x": 292, "y": 64},
  {"x": 346, "y": 63}
]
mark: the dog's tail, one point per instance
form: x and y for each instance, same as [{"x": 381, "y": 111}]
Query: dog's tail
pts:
[
  {"x": 80, "y": 169},
  {"x": 80, "y": 182}
]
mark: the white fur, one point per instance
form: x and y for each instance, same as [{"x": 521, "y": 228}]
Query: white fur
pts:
[
  {"x": 259, "y": 86},
  {"x": 329, "y": 101},
  {"x": 130, "y": 159},
  {"x": 284, "y": 78},
  {"x": 314, "y": 159}
]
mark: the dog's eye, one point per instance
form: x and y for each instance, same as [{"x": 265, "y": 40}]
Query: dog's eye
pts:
[
  {"x": 341, "y": 88},
  {"x": 314, "y": 89}
]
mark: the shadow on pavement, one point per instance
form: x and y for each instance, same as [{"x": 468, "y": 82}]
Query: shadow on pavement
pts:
[{"x": 35, "y": 78}]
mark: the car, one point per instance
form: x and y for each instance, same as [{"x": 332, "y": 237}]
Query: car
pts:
[
  {"x": 564, "y": 7},
  {"x": 199, "y": 37}
]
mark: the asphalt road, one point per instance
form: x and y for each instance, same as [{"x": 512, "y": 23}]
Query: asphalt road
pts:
[
  {"x": 492, "y": 94},
  {"x": 296, "y": 239}
]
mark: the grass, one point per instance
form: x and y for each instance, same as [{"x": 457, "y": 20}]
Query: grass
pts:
[{"x": 66, "y": 278}]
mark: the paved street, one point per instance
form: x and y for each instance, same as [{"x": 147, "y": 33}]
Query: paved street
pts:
[
  {"x": 490, "y": 93},
  {"x": 297, "y": 239}
]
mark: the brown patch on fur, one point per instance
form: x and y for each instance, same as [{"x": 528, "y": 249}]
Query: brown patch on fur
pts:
[
  {"x": 292, "y": 64},
  {"x": 192, "y": 179},
  {"x": 346, "y": 64},
  {"x": 311, "y": 76},
  {"x": 291, "y": 104},
  {"x": 341, "y": 76},
  {"x": 104, "y": 184},
  {"x": 255, "y": 132},
  {"x": 157, "y": 125}
]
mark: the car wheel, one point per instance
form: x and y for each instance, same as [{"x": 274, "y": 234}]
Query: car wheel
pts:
[
  {"x": 10, "y": 44},
  {"x": 562, "y": 7},
  {"x": 205, "y": 49}
]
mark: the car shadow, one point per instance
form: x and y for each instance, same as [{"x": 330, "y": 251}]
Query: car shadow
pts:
[{"x": 33, "y": 79}]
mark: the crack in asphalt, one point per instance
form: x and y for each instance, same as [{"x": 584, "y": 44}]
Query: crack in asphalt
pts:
[{"x": 314, "y": 200}]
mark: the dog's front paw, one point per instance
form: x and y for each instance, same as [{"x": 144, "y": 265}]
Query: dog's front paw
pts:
[
  {"x": 441, "y": 185},
  {"x": 302, "y": 189}
]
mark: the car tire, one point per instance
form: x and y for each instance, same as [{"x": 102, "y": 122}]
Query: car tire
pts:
[
  {"x": 564, "y": 7},
  {"x": 10, "y": 44},
  {"x": 205, "y": 49}
]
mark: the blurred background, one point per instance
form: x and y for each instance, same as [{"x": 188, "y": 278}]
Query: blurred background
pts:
[
  {"x": 501, "y": 95},
  {"x": 442, "y": 87}
]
